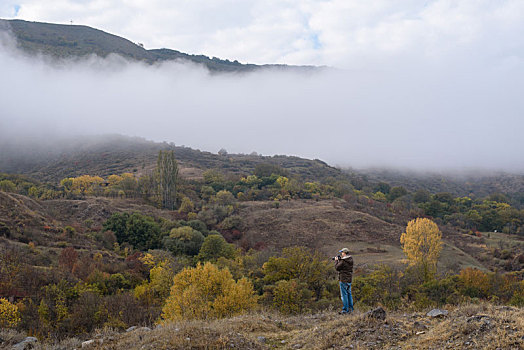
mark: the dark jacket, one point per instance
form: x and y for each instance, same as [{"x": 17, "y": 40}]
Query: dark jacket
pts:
[{"x": 344, "y": 267}]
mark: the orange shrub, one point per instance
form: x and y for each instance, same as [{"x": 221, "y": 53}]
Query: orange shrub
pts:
[{"x": 476, "y": 283}]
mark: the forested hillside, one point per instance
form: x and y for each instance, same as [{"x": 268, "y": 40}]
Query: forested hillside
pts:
[
  {"x": 105, "y": 155},
  {"x": 467, "y": 183}
]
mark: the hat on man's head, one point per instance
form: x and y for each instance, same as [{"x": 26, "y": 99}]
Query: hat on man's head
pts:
[{"x": 344, "y": 250}]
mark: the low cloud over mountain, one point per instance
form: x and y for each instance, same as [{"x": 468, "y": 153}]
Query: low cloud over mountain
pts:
[{"x": 454, "y": 114}]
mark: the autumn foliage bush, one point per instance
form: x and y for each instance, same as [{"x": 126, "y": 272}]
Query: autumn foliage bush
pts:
[
  {"x": 9, "y": 314},
  {"x": 207, "y": 292},
  {"x": 475, "y": 283},
  {"x": 157, "y": 289}
]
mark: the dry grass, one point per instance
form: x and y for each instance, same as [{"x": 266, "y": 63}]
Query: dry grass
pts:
[
  {"x": 472, "y": 326},
  {"x": 314, "y": 224},
  {"x": 482, "y": 326}
]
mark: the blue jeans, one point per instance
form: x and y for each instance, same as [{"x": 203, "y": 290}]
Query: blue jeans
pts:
[{"x": 347, "y": 298}]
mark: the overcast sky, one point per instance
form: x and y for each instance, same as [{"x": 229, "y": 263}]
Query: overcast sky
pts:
[
  {"x": 342, "y": 33},
  {"x": 425, "y": 84}
]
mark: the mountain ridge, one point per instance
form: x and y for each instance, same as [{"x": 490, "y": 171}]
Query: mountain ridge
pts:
[
  {"x": 57, "y": 158},
  {"x": 113, "y": 154},
  {"x": 63, "y": 41}
]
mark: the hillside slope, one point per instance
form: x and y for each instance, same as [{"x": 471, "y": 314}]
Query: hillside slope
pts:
[
  {"x": 115, "y": 154},
  {"x": 372, "y": 239},
  {"x": 323, "y": 226},
  {"x": 479, "y": 184},
  {"x": 42, "y": 222}
]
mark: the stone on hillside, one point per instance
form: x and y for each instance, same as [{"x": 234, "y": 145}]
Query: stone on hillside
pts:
[
  {"x": 130, "y": 329},
  {"x": 27, "y": 343},
  {"x": 87, "y": 343},
  {"x": 419, "y": 326},
  {"x": 437, "y": 313},
  {"x": 144, "y": 329},
  {"x": 379, "y": 313},
  {"x": 261, "y": 339}
]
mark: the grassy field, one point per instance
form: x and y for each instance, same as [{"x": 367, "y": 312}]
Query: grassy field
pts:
[
  {"x": 368, "y": 254},
  {"x": 503, "y": 241}
]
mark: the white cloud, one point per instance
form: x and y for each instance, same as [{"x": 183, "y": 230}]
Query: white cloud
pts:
[
  {"x": 346, "y": 33},
  {"x": 450, "y": 118}
]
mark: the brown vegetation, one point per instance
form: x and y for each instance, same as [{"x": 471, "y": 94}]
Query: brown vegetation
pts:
[
  {"x": 314, "y": 224},
  {"x": 473, "y": 326}
]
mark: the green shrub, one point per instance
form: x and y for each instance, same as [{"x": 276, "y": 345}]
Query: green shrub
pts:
[
  {"x": 184, "y": 240},
  {"x": 302, "y": 264},
  {"x": 198, "y": 225},
  {"x": 518, "y": 297},
  {"x": 233, "y": 222},
  {"x": 69, "y": 231},
  {"x": 442, "y": 291},
  {"x": 214, "y": 247},
  {"x": 7, "y": 186},
  {"x": 141, "y": 231},
  {"x": 61, "y": 244},
  {"x": 291, "y": 297}
]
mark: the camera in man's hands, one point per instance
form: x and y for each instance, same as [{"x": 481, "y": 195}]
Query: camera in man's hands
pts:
[{"x": 335, "y": 257}]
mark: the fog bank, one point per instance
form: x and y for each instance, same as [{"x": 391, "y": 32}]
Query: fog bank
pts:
[{"x": 431, "y": 116}]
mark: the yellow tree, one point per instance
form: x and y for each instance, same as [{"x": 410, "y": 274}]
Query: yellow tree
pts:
[
  {"x": 9, "y": 314},
  {"x": 422, "y": 243},
  {"x": 156, "y": 290},
  {"x": 114, "y": 180},
  {"x": 85, "y": 184},
  {"x": 207, "y": 292}
]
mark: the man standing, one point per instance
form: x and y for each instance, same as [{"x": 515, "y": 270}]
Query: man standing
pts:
[{"x": 344, "y": 266}]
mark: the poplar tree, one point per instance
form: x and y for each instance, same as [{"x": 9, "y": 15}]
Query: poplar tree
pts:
[
  {"x": 422, "y": 244},
  {"x": 167, "y": 176}
]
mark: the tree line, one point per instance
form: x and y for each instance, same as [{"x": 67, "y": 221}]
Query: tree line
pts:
[{"x": 163, "y": 188}]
